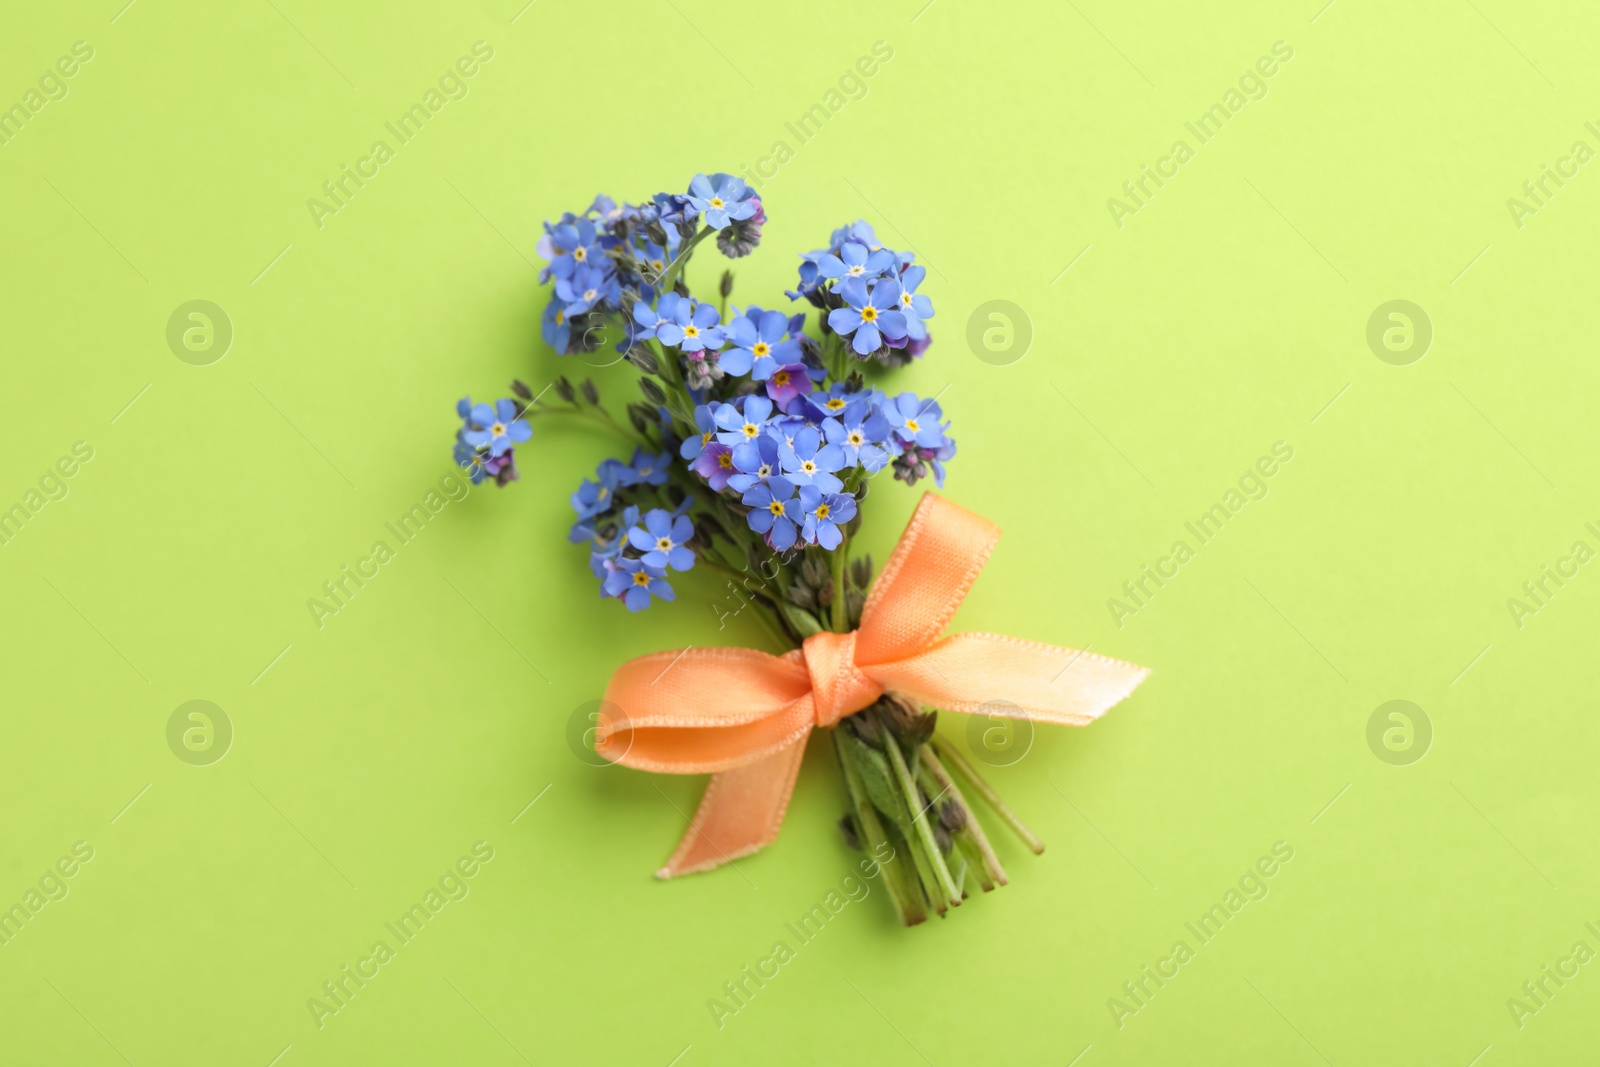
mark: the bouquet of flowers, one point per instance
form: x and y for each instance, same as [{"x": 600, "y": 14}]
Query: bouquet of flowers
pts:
[{"x": 754, "y": 445}]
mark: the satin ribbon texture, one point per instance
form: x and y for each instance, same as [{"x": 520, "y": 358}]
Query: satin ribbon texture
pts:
[{"x": 744, "y": 715}]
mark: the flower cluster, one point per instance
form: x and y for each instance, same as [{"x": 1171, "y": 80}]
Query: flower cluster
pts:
[
  {"x": 870, "y": 295},
  {"x": 614, "y": 253},
  {"x": 485, "y": 439},
  {"x": 630, "y": 554},
  {"x": 756, "y": 438},
  {"x": 796, "y": 463}
]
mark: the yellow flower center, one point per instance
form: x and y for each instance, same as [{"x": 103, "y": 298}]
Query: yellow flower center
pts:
[
  {"x": 869, "y": 313},
  {"x": 705, "y": 437},
  {"x": 776, "y": 507},
  {"x": 905, "y": 299},
  {"x": 641, "y": 578},
  {"x": 751, "y": 429},
  {"x": 761, "y": 348},
  {"x": 808, "y": 467},
  {"x": 835, "y": 403},
  {"x": 691, "y": 331},
  {"x": 725, "y": 461},
  {"x": 822, "y": 511},
  {"x": 658, "y": 265},
  {"x": 856, "y": 272},
  {"x": 580, "y": 254},
  {"x": 664, "y": 544},
  {"x": 561, "y": 317},
  {"x": 589, "y": 294},
  {"x": 498, "y": 429},
  {"x": 913, "y": 425},
  {"x": 716, "y": 202},
  {"x": 856, "y": 439},
  {"x": 782, "y": 377}
]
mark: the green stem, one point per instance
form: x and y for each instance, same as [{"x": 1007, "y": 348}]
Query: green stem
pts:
[
  {"x": 910, "y": 909},
  {"x": 784, "y": 641},
  {"x": 928, "y": 882},
  {"x": 987, "y": 793},
  {"x": 973, "y": 834},
  {"x": 679, "y": 261},
  {"x": 841, "y": 613},
  {"x": 598, "y": 416},
  {"x": 975, "y": 861},
  {"x": 919, "y": 817}
]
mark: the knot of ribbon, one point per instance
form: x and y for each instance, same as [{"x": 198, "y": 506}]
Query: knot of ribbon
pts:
[
  {"x": 838, "y": 686},
  {"x": 744, "y": 715}
]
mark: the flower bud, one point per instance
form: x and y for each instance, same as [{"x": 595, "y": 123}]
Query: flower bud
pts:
[
  {"x": 521, "y": 389},
  {"x": 652, "y": 392},
  {"x": 725, "y": 287},
  {"x": 906, "y": 719},
  {"x": 640, "y": 417},
  {"x": 952, "y": 816},
  {"x": 590, "y": 393},
  {"x": 564, "y": 389},
  {"x": 644, "y": 359}
]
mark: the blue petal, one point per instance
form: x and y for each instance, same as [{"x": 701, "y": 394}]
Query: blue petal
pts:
[
  {"x": 843, "y": 320},
  {"x": 867, "y": 339}
]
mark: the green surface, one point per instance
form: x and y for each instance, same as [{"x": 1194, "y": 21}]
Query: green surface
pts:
[{"x": 1225, "y": 315}]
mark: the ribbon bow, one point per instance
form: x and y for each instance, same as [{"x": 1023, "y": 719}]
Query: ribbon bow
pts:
[{"x": 744, "y": 715}]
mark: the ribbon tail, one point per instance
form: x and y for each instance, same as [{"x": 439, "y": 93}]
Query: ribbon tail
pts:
[
  {"x": 991, "y": 674},
  {"x": 739, "y": 814}
]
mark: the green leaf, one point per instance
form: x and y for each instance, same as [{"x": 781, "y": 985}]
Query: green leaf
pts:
[
  {"x": 801, "y": 619},
  {"x": 877, "y": 779}
]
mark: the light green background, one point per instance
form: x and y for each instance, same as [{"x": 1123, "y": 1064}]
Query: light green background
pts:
[{"x": 1229, "y": 313}]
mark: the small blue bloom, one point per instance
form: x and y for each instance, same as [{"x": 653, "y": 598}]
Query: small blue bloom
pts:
[
  {"x": 467, "y": 456},
  {"x": 587, "y": 286},
  {"x": 834, "y": 403},
  {"x": 496, "y": 427},
  {"x": 855, "y": 261},
  {"x": 649, "y": 470},
  {"x": 756, "y": 461},
  {"x": 859, "y": 434},
  {"x": 694, "y": 445},
  {"x": 662, "y": 539},
  {"x": 672, "y": 208},
  {"x": 824, "y": 513},
  {"x": 808, "y": 461},
  {"x": 649, "y": 319},
  {"x": 916, "y": 421},
  {"x": 759, "y": 344},
  {"x": 597, "y": 497},
  {"x": 555, "y": 328},
  {"x": 870, "y": 316},
  {"x": 573, "y": 245},
  {"x": 915, "y": 306},
  {"x": 635, "y": 582},
  {"x": 723, "y": 198},
  {"x": 690, "y": 326},
  {"x": 774, "y": 512},
  {"x": 738, "y": 426}
]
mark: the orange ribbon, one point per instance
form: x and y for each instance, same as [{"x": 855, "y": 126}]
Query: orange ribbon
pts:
[{"x": 744, "y": 715}]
